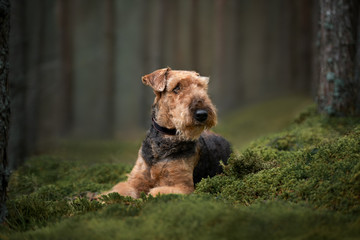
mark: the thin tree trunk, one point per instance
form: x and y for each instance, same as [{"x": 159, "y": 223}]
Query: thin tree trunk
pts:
[
  {"x": 153, "y": 40},
  {"x": 4, "y": 103},
  {"x": 66, "y": 46},
  {"x": 238, "y": 84},
  {"x": 35, "y": 87},
  {"x": 301, "y": 49},
  {"x": 110, "y": 65},
  {"x": 315, "y": 61},
  {"x": 17, "y": 80},
  {"x": 357, "y": 60},
  {"x": 145, "y": 46},
  {"x": 219, "y": 59},
  {"x": 338, "y": 88},
  {"x": 194, "y": 34},
  {"x": 176, "y": 51}
]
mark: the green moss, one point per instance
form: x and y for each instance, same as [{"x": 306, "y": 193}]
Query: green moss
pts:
[
  {"x": 198, "y": 217},
  {"x": 249, "y": 161},
  {"x": 33, "y": 211},
  {"x": 315, "y": 160},
  {"x": 47, "y": 188},
  {"x": 300, "y": 183},
  {"x": 71, "y": 177}
]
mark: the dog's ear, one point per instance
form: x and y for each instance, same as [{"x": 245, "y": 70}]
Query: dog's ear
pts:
[
  {"x": 204, "y": 79},
  {"x": 157, "y": 79}
]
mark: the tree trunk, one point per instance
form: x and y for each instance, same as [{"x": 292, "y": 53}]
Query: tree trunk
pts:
[
  {"x": 301, "y": 51},
  {"x": 153, "y": 40},
  {"x": 338, "y": 87},
  {"x": 17, "y": 147},
  {"x": 110, "y": 65},
  {"x": 219, "y": 45},
  {"x": 357, "y": 59},
  {"x": 195, "y": 28},
  {"x": 4, "y": 102},
  {"x": 35, "y": 88},
  {"x": 66, "y": 52}
]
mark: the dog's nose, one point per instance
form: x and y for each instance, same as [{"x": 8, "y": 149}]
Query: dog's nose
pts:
[{"x": 201, "y": 115}]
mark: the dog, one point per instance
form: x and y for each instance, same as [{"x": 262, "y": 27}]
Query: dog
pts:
[{"x": 178, "y": 150}]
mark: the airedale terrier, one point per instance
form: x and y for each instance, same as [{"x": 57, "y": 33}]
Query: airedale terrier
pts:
[{"x": 178, "y": 151}]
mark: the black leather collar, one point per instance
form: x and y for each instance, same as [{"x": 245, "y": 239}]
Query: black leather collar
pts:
[{"x": 164, "y": 130}]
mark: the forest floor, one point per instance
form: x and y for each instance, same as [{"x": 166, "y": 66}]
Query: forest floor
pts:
[{"x": 300, "y": 179}]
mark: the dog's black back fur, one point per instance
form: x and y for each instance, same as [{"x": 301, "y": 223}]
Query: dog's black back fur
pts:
[{"x": 213, "y": 149}]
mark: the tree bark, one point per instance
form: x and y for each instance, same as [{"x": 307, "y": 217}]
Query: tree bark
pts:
[
  {"x": 66, "y": 52},
  {"x": 338, "y": 87},
  {"x": 300, "y": 42},
  {"x": 219, "y": 45},
  {"x": 153, "y": 40},
  {"x": 195, "y": 34},
  {"x": 35, "y": 88},
  {"x": 357, "y": 58},
  {"x": 4, "y": 103},
  {"x": 110, "y": 65},
  {"x": 17, "y": 148}
]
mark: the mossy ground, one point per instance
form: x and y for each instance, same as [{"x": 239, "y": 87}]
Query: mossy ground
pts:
[{"x": 300, "y": 183}]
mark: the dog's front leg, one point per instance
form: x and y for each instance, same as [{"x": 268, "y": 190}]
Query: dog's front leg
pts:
[
  {"x": 124, "y": 189},
  {"x": 138, "y": 180},
  {"x": 173, "y": 177},
  {"x": 179, "y": 189}
]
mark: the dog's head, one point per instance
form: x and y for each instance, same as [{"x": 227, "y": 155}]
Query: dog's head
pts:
[{"x": 181, "y": 101}]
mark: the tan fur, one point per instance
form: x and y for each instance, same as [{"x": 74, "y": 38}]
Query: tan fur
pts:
[{"x": 165, "y": 177}]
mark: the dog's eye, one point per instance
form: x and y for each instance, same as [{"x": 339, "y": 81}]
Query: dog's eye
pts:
[{"x": 177, "y": 89}]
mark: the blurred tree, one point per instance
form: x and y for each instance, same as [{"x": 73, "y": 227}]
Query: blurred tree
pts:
[
  {"x": 66, "y": 52},
  {"x": 219, "y": 59},
  {"x": 82, "y": 67},
  {"x": 195, "y": 29},
  {"x": 36, "y": 83},
  {"x": 4, "y": 102},
  {"x": 17, "y": 147},
  {"x": 300, "y": 43},
  {"x": 339, "y": 85},
  {"x": 110, "y": 66},
  {"x": 153, "y": 24}
]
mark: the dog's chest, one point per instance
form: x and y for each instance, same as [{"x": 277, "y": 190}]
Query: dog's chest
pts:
[{"x": 156, "y": 148}]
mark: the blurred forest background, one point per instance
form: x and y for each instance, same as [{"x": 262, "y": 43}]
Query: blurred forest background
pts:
[{"x": 76, "y": 65}]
